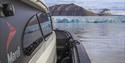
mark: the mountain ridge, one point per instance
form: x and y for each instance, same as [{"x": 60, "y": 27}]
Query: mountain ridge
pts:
[{"x": 70, "y": 10}]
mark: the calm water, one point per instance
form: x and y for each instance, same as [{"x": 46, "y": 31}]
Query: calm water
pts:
[{"x": 103, "y": 37}]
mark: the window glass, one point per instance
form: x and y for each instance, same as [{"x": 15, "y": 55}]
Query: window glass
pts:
[
  {"x": 32, "y": 35},
  {"x": 45, "y": 23}
]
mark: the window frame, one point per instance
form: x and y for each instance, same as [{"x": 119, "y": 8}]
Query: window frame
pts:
[
  {"x": 42, "y": 35},
  {"x": 49, "y": 16},
  {"x": 23, "y": 48}
]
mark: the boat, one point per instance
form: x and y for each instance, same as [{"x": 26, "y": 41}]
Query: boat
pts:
[{"x": 27, "y": 35}]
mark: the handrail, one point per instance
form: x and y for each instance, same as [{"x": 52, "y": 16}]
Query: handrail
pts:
[{"x": 37, "y": 4}]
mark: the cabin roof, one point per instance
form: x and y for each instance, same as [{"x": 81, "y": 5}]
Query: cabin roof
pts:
[{"x": 37, "y": 4}]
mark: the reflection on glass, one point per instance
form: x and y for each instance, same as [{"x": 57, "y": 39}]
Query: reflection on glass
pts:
[
  {"x": 32, "y": 32},
  {"x": 45, "y": 23}
]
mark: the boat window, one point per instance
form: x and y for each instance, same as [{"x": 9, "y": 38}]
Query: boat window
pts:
[
  {"x": 32, "y": 36},
  {"x": 45, "y": 23}
]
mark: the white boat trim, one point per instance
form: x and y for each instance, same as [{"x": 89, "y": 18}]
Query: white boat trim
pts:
[
  {"x": 47, "y": 52},
  {"x": 35, "y": 3}
]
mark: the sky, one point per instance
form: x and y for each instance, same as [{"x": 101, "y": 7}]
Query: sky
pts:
[{"x": 117, "y": 6}]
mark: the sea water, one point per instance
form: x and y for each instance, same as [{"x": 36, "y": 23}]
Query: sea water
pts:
[{"x": 102, "y": 36}]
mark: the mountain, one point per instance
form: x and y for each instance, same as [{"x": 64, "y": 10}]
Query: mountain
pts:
[{"x": 70, "y": 10}]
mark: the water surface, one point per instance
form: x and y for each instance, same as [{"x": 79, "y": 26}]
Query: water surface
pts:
[{"x": 103, "y": 37}]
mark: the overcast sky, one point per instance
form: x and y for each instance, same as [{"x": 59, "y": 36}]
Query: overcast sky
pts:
[{"x": 116, "y": 6}]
